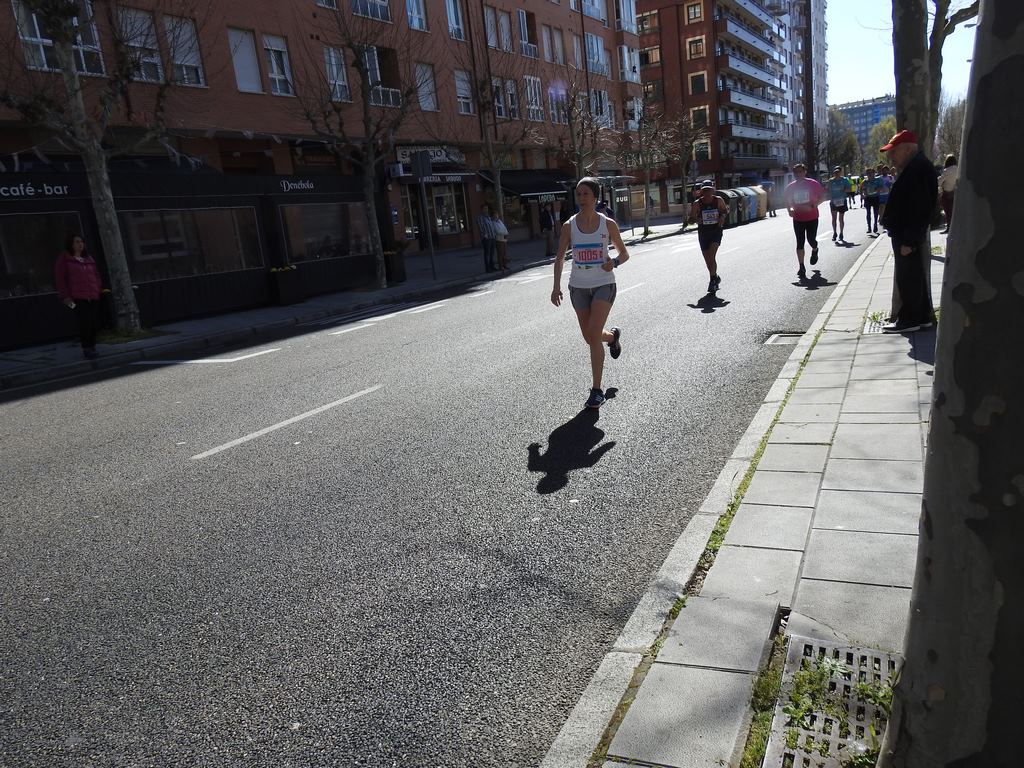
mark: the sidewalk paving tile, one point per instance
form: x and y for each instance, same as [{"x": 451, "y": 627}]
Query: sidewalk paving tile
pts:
[
  {"x": 760, "y": 525},
  {"x": 868, "y": 511},
  {"x": 846, "y": 417},
  {"x": 863, "y": 370},
  {"x": 753, "y": 574},
  {"x": 874, "y": 475},
  {"x": 785, "y": 489},
  {"x": 880, "y": 404},
  {"x": 780, "y": 457},
  {"x": 721, "y": 634},
  {"x": 877, "y": 441},
  {"x": 816, "y": 366},
  {"x": 724, "y": 489},
  {"x": 861, "y": 614},
  {"x": 811, "y": 396},
  {"x": 861, "y": 557},
  {"x": 800, "y": 433},
  {"x": 798, "y": 413},
  {"x": 880, "y": 387},
  {"x": 684, "y": 716},
  {"x": 813, "y": 380}
]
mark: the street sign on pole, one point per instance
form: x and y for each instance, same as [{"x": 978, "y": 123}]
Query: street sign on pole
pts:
[{"x": 421, "y": 168}]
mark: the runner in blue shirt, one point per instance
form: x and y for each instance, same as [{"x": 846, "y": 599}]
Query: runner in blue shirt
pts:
[
  {"x": 837, "y": 187},
  {"x": 870, "y": 192}
]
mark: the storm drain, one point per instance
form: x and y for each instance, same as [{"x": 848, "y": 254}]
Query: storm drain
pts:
[
  {"x": 784, "y": 337},
  {"x": 872, "y": 326},
  {"x": 833, "y": 707}
]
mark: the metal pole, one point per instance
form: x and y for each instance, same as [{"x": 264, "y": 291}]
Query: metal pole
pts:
[{"x": 426, "y": 223}]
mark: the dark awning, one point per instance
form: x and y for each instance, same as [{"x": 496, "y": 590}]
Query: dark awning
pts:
[{"x": 538, "y": 183}]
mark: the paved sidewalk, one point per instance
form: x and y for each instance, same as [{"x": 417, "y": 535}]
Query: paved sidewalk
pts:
[
  {"x": 203, "y": 336},
  {"x": 827, "y": 528}
]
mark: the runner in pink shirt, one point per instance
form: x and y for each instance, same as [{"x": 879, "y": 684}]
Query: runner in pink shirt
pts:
[{"x": 803, "y": 197}]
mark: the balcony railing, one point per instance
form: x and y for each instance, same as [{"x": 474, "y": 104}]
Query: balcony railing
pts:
[
  {"x": 373, "y": 9},
  {"x": 732, "y": 27},
  {"x": 528, "y": 49},
  {"x": 599, "y": 67},
  {"x": 754, "y": 9},
  {"x": 629, "y": 75},
  {"x": 742, "y": 98},
  {"x": 385, "y": 97},
  {"x": 748, "y": 131},
  {"x": 737, "y": 64},
  {"x": 622, "y": 25}
]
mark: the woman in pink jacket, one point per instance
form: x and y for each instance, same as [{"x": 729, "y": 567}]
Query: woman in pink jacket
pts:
[{"x": 78, "y": 284}]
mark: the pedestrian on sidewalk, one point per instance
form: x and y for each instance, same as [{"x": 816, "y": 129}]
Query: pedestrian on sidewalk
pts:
[
  {"x": 592, "y": 281},
  {"x": 709, "y": 211},
  {"x": 547, "y": 229},
  {"x": 947, "y": 188},
  {"x": 486, "y": 226},
  {"x": 907, "y": 217},
  {"x": 802, "y": 197},
  {"x": 79, "y": 286},
  {"x": 500, "y": 239}
]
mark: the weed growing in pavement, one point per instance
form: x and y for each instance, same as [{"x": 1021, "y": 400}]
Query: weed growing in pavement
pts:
[
  {"x": 877, "y": 317},
  {"x": 766, "y": 693}
]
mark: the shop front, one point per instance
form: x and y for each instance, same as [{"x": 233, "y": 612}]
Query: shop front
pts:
[
  {"x": 196, "y": 243},
  {"x": 525, "y": 192},
  {"x": 448, "y": 214}
]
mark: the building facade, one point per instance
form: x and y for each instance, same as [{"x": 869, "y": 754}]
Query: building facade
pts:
[
  {"x": 865, "y": 115},
  {"x": 266, "y": 104},
  {"x": 748, "y": 70}
]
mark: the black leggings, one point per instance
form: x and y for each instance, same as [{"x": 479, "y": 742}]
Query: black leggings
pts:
[
  {"x": 871, "y": 204},
  {"x": 808, "y": 229},
  {"x": 87, "y": 312}
]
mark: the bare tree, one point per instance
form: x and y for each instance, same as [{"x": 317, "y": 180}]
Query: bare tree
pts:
[
  {"x": 359, "y": 124},
  {"x": 946, "y": 17},
  {"x": 949, "y": 132},
  {"x": 585, "y": 137},
  {"x": 645, "y": 148},
  {"x": 118, "y": 108},
  {"x": 958, "y": 699},
  {"x": 683, "y": 137},
  {"x": 841, "y": 147}
]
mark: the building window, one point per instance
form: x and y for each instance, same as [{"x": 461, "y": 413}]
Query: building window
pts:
[
  {"x": 164, "y": 244},
  {"x": 512, "y": 96},
  {"x": 596, "y": 60},
  {"x": 138, "y": 33},
  {"x": 279, "y": 69},
  {"x": 527, "y": 34},
  {"x": 647, "y": 22},
  {"x": 491, "y": 26},
  {"x": 559, "y": 46},
  {"x": 650, "y": 57},
  {"x": 695, "y": 47},
  {"x": 498, "y": 94},
  {"x": 426, "y": 88},
  {"x": 599, "y": 109},
  {"x": 337, "y": 76},
  {"x": 556, "y": 107},
  {"x": 325, "y": 231},
  {"x": 653, "y": 90},
  {"x": 548, "y": 43},
  {"x": 417, "y": 14},
  {"x": 243, "y": 56},
  {"x": 577, "y": 50},
  {"x": 464, "y": 92},
  {"x": 184, "y": 48},
  {"x": 456, "y": 28},
  {"x": 38, "y": 48},
  {"x": 699, "y": 117},
  {"x": 505, "y": 30},
  {"x": 534, "y": 100},
  {"x": 698, "y": 84},
  {"x": 372, "y": 9},
  {"x": 702, "y": 150},
  {"x": 332, "y": 4},
  {"x": 693, "y": 12},
  {"x": 382, "y": 72}
]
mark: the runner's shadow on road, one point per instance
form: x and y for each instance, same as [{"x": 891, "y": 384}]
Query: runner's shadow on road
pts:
[
  {"x": 708, "y": 303},
  {"x": 814, "y": 282},
  {"x": 572, "y": 446}
]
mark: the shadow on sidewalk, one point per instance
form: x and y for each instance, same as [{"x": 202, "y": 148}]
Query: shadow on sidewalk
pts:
[
  {"x": 814, "y": 282},
  {"x": 572, "y": 446}
]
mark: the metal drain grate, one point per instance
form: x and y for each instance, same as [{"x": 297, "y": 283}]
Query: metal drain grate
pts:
[
  {"x": 848, "y": 717},
  {"x": 784, "y": 337},
  {"x": 872, "y": 326}
]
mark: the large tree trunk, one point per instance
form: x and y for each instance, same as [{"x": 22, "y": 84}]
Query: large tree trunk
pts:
[
  {"x": 910, "y": 59},
  {"x": 96, "y": 169},
  {"x": 369, "y": 168},
  {"x": 959, "y": 700}
]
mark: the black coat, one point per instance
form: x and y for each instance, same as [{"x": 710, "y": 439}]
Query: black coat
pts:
[{"x": 908, "y": 214}]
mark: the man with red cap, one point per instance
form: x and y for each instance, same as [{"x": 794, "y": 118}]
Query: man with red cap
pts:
[{"x": 907, "y": 217}]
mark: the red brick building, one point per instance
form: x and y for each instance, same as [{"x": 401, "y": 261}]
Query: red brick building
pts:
[{"x": 244, "y": 181}]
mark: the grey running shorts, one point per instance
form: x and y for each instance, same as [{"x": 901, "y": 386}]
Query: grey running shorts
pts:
[{"x": 582, "y": 298}]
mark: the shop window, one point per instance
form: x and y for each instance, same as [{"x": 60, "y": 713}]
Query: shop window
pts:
[
  {"x": 448, "y": 208},
  {"x": 29, "y": 246},
  {"x": 325, "y": 230},
  {"x": 166, "y": 244}
]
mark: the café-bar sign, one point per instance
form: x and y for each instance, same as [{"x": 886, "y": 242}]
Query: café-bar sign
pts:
[{"x": 17, "y": 189}]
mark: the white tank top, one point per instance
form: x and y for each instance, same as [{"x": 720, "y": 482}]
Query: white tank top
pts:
[{"x": 589, "y": 252}]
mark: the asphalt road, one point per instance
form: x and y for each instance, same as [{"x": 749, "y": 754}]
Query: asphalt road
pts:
[{"x": 423, "y": 570}]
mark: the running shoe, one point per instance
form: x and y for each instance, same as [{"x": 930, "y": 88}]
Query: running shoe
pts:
[
  {"x": 801, "y": 273},
  {"x": 711, "y": 286},
  {"x": 814, "y": 256},
  {"x": 718, "y": 282},
  {"x": 614, "y": 347},
  {"x": 596, "y": 399},
  {"x": 833, "y": 237}
]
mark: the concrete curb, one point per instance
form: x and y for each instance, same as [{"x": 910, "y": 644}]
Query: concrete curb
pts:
[{"x": 581, "y": 733}]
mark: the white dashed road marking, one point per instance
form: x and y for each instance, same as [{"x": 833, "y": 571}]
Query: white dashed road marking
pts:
[
  {"x": 349, "y": 330},
  {"x": 207, "y": 359},
  {"x": 631, "y": 288}
]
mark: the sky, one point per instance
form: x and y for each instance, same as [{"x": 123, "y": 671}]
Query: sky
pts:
[{"x": 860, "y": 52}]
